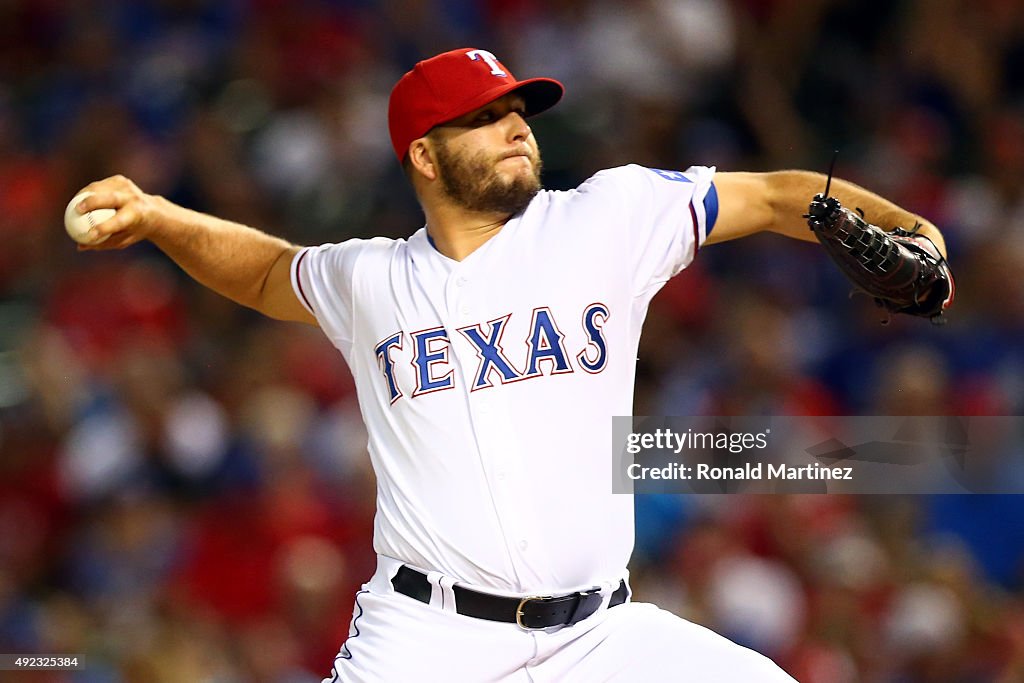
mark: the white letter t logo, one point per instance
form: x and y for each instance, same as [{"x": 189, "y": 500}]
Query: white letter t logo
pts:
[{"x": 491, "y": 60}]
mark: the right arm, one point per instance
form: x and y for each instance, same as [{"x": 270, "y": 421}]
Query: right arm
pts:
[{"x": 245, "y": 265}]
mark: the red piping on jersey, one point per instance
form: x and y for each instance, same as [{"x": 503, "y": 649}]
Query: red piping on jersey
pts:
[{"x": 298, "y": 277}]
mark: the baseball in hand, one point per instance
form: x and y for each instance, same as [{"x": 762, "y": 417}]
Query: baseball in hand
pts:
[{"x": 78, "y": 225}]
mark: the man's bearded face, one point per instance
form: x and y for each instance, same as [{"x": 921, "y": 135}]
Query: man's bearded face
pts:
[{"x": 474, "y": 180}]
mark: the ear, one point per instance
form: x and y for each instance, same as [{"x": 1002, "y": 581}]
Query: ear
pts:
[{"x": 421, "y": 157}]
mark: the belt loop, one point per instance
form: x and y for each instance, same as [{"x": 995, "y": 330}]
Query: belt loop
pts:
[
  {"x": 607, "y": 589},
  {"x": 434, "y": 579},
  {"x": 441, "y": 594},
  {"x": 447, "y": 594}
]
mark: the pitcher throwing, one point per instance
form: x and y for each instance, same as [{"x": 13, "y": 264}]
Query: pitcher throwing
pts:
[{"x": 490, "y": 350}]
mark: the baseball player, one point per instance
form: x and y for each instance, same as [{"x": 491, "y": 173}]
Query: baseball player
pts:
[{"x": 490, "y": 350}]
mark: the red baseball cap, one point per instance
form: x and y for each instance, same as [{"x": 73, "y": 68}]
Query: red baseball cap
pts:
[{"x": 454, "y": 83}]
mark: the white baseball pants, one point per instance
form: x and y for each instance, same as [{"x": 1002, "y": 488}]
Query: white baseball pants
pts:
[{"x": 395, "y": 639}]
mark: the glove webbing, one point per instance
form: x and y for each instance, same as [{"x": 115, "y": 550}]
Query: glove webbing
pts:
[{"x": 872, "y": 249}]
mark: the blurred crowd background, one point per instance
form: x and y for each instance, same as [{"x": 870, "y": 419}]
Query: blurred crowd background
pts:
[{"x": 184, "y": 489}]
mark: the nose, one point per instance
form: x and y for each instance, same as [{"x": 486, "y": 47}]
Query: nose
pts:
[{"x": 518, "y": 129}]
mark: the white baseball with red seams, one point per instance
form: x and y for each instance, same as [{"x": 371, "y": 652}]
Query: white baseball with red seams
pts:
[
  {"x": 78, "y": 225},
  {"x": 488, "y": 387}
]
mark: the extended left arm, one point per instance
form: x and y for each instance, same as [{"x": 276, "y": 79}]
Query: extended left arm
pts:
[{"x": 755, "y": 202}]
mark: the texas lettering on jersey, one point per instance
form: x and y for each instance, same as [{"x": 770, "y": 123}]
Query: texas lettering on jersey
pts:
[{"x": 543, "y": 352}]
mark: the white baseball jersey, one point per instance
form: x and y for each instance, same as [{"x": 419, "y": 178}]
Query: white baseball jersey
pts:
[{"x": 488, "y": 385}]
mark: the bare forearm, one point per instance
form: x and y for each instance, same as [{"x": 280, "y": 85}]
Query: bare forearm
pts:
[
  {"x": 232, "y": 259},
  {"x": 790, "y": 193},
  {"x": 241, "y": 263}
]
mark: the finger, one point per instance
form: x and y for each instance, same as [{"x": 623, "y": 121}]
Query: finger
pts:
[
  {"x": 117, "y": 241},
  {"x": 106, "y": 199},
  {"x": 126, "y": 218}
]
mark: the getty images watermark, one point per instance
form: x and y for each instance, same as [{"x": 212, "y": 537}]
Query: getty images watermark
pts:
[{"x": 881, "y": 454}]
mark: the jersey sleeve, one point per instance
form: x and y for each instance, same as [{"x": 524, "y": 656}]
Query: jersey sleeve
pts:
[
  {"x": 668, "y": 215},
  {"x": 322, "y": 280}
]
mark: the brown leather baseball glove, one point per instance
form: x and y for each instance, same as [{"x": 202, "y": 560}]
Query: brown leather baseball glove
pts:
[{"x": 902, "y": 270}]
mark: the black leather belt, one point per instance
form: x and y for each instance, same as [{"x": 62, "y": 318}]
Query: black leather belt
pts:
[{"x": 532, "y": 612}]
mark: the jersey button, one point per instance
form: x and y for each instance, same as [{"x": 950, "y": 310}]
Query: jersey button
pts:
[
  {"x": 523, "y": 545},
  {"x": 461, "y": 281},
  {"x": 464, "y": 310}
]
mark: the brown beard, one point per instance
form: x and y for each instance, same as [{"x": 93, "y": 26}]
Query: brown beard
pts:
[{"x": 471, "y": 182}]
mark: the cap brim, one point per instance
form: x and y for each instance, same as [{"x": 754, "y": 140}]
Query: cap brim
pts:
[{"x": 540, "y": 94}]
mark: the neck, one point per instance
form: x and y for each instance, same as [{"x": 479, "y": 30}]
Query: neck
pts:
[{"x": 457, "y": 233}]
